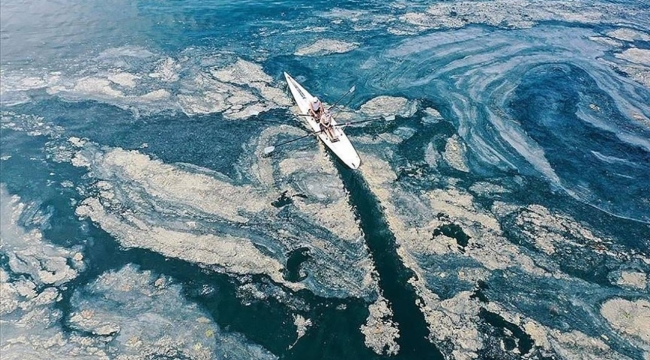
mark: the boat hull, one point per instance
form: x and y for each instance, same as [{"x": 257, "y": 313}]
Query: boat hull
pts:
[{"x": 342, "y": 148}]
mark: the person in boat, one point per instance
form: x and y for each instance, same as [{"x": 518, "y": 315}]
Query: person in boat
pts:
[
  {"x": 316, "y": 109},
  {"x": 325, "y": 122}
]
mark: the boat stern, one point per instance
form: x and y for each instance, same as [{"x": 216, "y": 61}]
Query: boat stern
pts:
[{"x": 354, "y": 163}]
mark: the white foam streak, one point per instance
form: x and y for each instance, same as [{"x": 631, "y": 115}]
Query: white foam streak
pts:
[
  {"x": 527, "y": 148},
  {"x": 455, "y": 319},
  {"x": 388, "y": 107},
  {"x": 325, "y": 47},
  {"x": 126, "y": 51},
  {"x": 239, "y": 89},
  {"x": 521, "y": 14},
  {"x": 148, "y": 316},
  {"x": 124, "y": 79},
  {"x": 486, "y": 65},
  {"x": 380, "y": 331},
  {"x": 626, "y": 34},
  {"x": 635, "y": 55},
  {"x": 611, "y": 159},
  {"x": 122, "y": 314},
  {"x": 28, "y": 253},
  {"x": 203, "y": 217}
]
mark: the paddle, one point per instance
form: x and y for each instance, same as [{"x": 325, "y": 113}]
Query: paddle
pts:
[
  {"x": 269, "y": 149},
  {"x": 342, "y": 96},
  {"x": 357, "y": 122}
]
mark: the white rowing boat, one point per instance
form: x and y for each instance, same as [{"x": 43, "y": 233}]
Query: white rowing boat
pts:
[{"x": 341, "y": 148}]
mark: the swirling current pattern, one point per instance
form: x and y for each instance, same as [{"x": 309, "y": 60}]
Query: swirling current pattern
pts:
[
  {"x": 539, "y": 101},
  {"x": 502, "y": 208}
]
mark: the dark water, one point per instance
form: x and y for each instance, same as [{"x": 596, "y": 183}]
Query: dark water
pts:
[
  {"x": 545, "y": 110},
  {"x": 393, "y": 275}
]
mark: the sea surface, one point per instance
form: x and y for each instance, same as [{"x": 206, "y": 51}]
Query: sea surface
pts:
[{"x": 501, "y": 210}]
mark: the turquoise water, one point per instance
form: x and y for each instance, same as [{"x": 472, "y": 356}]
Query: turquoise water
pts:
[{"x": 503, "y": 191}]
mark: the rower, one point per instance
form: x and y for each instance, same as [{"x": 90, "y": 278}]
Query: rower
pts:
[
  {"x": 316, "y": 109},
  {"x": 326, "y": 126}
]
